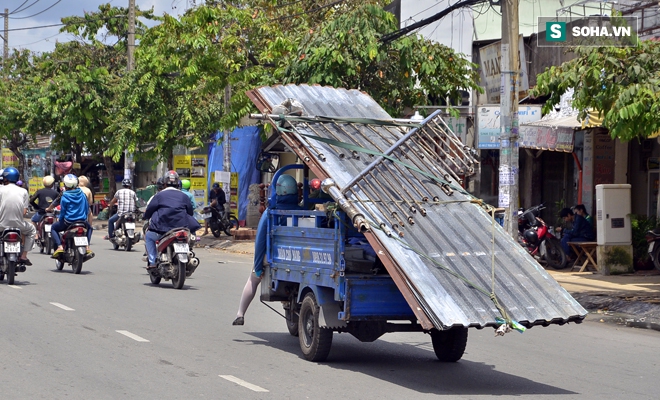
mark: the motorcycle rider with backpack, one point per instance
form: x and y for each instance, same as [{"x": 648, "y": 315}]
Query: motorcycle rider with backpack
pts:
[{"x": 14, "y": 203}]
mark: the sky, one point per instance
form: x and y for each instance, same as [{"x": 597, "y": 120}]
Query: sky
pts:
[{"x": 33, "y": 13}]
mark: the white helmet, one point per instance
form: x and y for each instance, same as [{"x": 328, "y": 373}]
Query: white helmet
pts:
[{"x": 70, "y": 181}]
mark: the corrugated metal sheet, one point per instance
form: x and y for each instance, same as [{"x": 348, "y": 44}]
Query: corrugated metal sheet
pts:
[{"x": 433, "y": 221}]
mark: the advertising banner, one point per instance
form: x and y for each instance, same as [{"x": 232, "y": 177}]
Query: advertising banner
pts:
[
  {"x": 488, "y": 123},
  {"x": 9, "y": 159},
  {"x": 193, "y": 168}
]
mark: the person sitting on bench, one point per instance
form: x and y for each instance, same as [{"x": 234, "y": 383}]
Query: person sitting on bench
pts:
[{"x": 582, "y": 231}]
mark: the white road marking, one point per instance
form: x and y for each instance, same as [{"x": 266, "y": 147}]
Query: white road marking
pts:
[
  {"x": 132, "y": 336},
  {"x": 15, "y": 287},
  {"x": 63, "y": 307},
  {"x": 241, "y": 382}
]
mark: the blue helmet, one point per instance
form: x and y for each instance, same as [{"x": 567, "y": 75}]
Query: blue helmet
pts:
[
  {"x": 286, "y": 184},
  {"x": 10, "y": 174}
]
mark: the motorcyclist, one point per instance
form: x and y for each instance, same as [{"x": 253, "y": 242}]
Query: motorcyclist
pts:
[
  {"x": 83, "y": 184},
  {"x": 185, "y": 188},
  {"x": 74, "y": 208},
  {"x": 286, "y": 191},
  {"x": 168, "y": 209},
  {"x": 218, "y": 200},
  {"x": 126, "y": 200},
  {"x": 14, "y": 202},
  {"x": 41, "y": 199}
]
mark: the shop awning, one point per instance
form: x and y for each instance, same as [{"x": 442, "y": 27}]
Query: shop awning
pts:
[{"x": 556, "y": 134}]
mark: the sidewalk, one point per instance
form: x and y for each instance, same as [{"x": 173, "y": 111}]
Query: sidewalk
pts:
[{"x": 631, "y": 300}]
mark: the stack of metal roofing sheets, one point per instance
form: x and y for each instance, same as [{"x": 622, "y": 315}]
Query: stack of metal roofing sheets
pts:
[{"x": 436, "y": 241}]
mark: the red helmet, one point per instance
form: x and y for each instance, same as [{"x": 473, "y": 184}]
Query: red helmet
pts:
[{"x": 315, "y": 184}]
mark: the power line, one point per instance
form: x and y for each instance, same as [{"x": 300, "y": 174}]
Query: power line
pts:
[
  {"x": 40, "y": 40},
  {"x": 25, "y": 8},
  {"x": 71, "y": 23},
  {"x": 40, "y": 12},
  {"x": 19, "y": 7}
]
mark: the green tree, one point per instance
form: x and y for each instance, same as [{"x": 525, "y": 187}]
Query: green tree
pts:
[
  {"x": 175, "y": 96},
  {"x": 347, "y": 52},
  {"x": 79, "y": 81},
  {"x": 16, "y": 87},
  {"x": 623, "y": 84}
]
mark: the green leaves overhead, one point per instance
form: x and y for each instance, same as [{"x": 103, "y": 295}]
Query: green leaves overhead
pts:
[
  {"x": 621, "y": 83},
  {"x": 82, "y": 93}
]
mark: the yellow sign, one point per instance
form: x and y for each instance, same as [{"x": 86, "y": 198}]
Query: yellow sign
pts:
[
  {"x": 35, "y": 183},
  {"x": 9, "y": 159},
  {"x": 193, "y": 168}
]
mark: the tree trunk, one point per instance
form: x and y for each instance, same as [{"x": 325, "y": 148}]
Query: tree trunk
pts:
[
  {"x": 15, "y": 145},
  {"x": 109, "y": 167}
]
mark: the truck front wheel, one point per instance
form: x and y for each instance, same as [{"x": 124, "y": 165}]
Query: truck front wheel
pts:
[
  {"x": 449, "y": 345},
  {"x": 315, "y": 342}
]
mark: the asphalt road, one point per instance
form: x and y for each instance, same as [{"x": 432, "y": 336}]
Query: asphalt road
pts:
[{"x": 109, "y": 334}]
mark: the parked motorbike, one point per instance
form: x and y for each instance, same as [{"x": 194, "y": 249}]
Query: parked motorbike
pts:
[
  {"x": 45, "y": 241},
  {"x": 175, "y": 260},
  {"x": 653, "y": 239},
  {"x": 534, "y": 235},
  {"x": 125, "y": 235},
  {"x": 74, "y": 243},
  {"x": 10, "y": 254},
  {"x": 220, "y": 222}
]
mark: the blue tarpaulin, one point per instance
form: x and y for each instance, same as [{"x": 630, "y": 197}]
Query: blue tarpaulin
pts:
[{"x": 245, "y": 148}]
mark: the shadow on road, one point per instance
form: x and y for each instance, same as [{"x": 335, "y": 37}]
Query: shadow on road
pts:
[{"x": 413, "y": 367}]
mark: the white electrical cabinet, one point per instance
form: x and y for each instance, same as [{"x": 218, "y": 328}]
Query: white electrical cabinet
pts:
[{"x": 613, "y": 214}]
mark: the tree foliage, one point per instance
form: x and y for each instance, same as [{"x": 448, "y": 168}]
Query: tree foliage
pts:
[
  {"x": 623, "y": 84},
  {"x": 346, "y": 52}
]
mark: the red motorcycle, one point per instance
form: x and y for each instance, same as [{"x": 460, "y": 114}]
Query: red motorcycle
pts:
[{"x": 535, "y": 236}]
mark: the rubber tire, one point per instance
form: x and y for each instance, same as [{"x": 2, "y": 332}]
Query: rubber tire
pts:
[
  {"x": 78, "y": 260},
  {"x": 449, "y": 345},
  {"x": 554, "y": 254},
  {"x": 11, "y": 272},
  {"x": 59, "y": 264},
  {"x": 129, "y": 245},
  {"x": 49, "y": 245},
  {"x": 315, "y": 342},
  {"x": 216, "y": 232},
  {"x": 2, "y": 276},
  {"x": 41, "y": 248},
  {"x": 115, "y": 246},
  {"x": 181, "y": 276},
  {"x": 233, "y": 224},
  {"x": 155, "y": 280},
  {"x": 292, "y": 321},
  {"x": 656, "y": 254}
]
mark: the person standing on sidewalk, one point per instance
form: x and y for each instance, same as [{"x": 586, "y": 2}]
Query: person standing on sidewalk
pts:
[{"x": 126, "y": 200}]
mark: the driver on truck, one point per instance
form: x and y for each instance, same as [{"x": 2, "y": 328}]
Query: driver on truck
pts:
[{"x": 286, "y": 191}]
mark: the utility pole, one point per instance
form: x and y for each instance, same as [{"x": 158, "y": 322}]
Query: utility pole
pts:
[
  {"x": 509, "y": 157},
  {"x": 128, "y": 171},
  {"x": 227, "y": 145},
  {"x": 5, "y": 38}
]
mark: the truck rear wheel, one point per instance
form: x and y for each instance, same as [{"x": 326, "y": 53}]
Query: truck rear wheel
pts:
[
  {"x": 449, "y": 345},
  {"x": 292, "y": 317},
  {"x": 315, "y": 342}
]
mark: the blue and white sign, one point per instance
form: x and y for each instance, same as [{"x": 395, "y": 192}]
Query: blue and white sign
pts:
[{"x": 488, "y": 123}]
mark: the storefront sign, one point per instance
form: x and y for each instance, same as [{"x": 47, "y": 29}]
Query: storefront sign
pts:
[
  {"x": 193, "y": 168},
  {"x": 488, "y": 123},
  {"x": 603, "y": 159},
  {"x": 547, "y": 138},
  {"x": 9, "y": 159},
  {"x": 491, "y": 73}
]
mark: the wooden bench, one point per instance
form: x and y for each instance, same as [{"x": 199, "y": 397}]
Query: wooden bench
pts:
[{"x": 586, "y": 255}]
